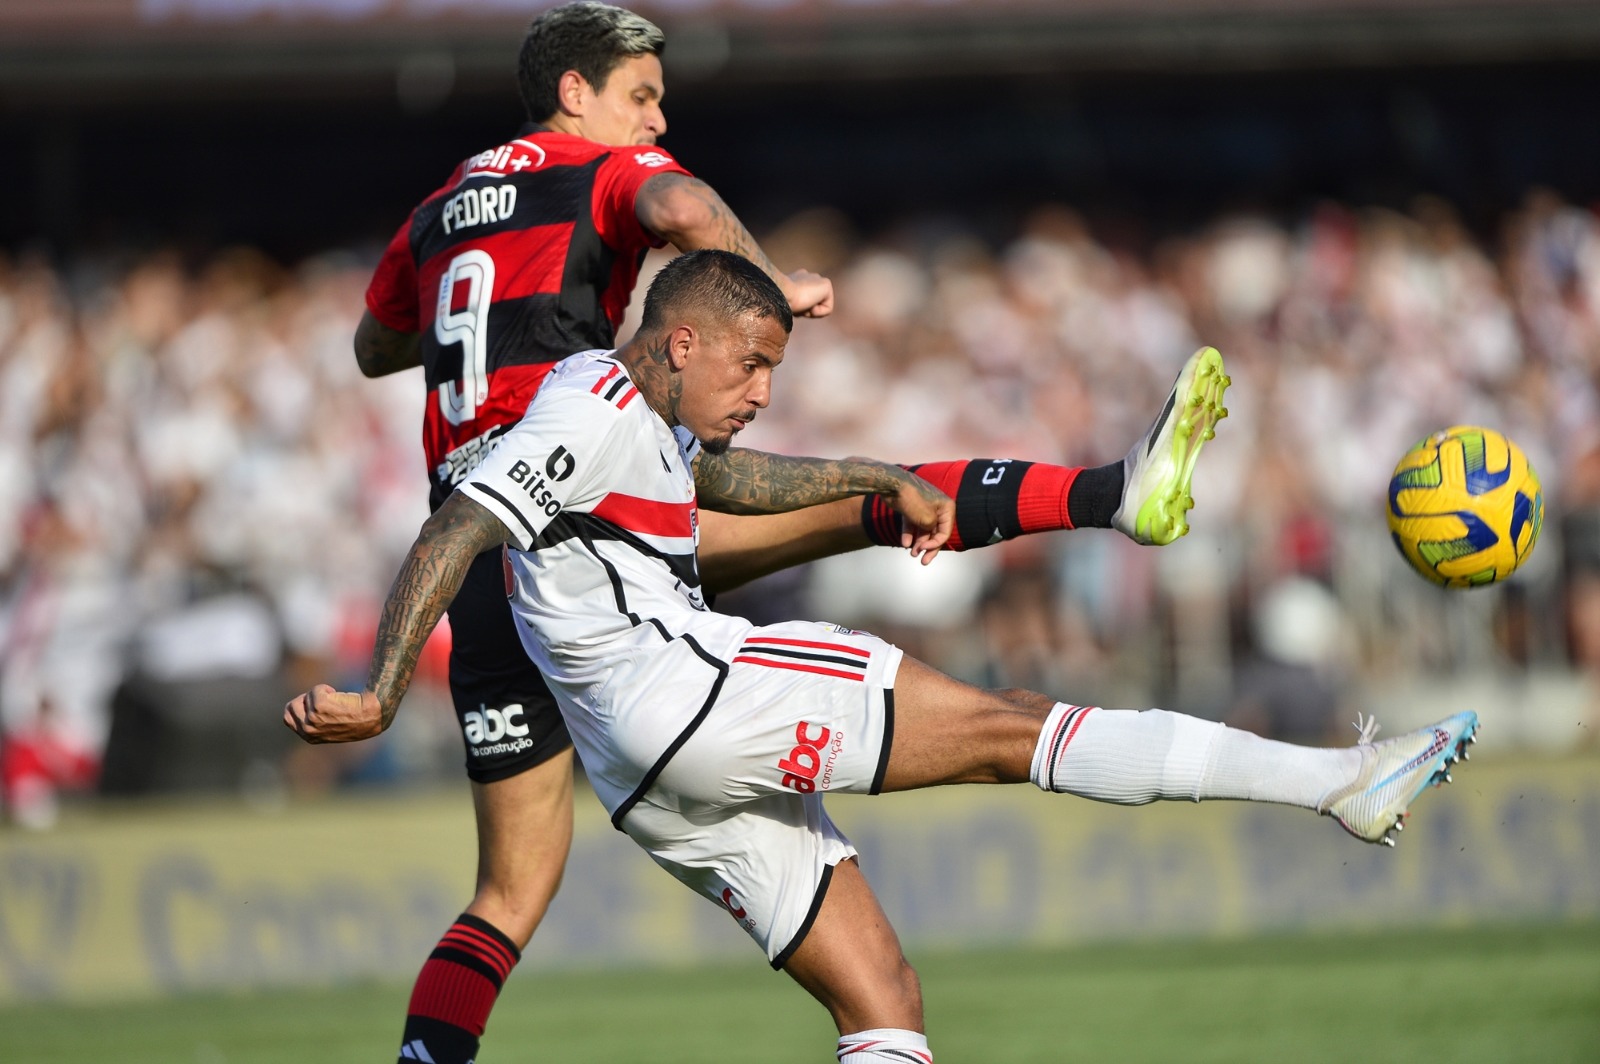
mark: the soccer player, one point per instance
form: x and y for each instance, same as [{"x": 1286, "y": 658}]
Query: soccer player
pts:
[
  {"x": 528, "y": 253},
  {"x": 711, "y": 741}
]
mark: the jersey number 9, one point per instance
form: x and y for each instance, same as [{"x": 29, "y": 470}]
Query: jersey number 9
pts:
[{"x": 467, "y": 325}]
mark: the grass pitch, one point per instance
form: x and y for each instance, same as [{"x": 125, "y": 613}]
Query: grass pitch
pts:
[{"x": 1472, "y": 994}]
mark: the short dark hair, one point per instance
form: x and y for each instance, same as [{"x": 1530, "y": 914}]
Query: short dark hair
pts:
[
  {"x": 588, "y": 37},
  {"x": 726, "y": 284}
]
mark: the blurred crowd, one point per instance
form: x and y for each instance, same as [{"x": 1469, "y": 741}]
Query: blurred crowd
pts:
[{"x": 196, "y": 481}]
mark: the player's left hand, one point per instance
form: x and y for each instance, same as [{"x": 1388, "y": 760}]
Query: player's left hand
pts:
[
  {"x": 323, "y": 715},
  {"x": 927, "y": 517}
]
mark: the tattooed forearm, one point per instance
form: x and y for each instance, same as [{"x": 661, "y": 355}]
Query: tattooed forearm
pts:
[
  {"x": 689, "y": 213},
  {"x": 381, "y": 350},
  {"x": 754, "y": 482},
  {"x": 425, "y": 586}
]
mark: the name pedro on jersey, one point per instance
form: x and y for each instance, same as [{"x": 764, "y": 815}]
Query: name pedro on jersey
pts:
[{"x": 474, "y": 206}]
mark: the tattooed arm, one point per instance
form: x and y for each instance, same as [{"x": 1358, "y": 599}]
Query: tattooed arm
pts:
[
  {"x": 741, "y": 481},
  {"x": 688, "y": 213},
  {"x": 425, "y": 586},
  {"x": 381, "y": 350}
]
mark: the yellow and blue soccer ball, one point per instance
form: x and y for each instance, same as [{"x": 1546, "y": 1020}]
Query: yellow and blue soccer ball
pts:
[{"x": 1465, "y": 507}]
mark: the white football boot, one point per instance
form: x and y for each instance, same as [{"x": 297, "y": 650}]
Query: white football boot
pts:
[
  {"x": 1156, "y": 473},
  {"x": 1393, "y": 772}
]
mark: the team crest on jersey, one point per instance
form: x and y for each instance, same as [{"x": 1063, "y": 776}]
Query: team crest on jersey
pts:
[{"x": 504, "y": 161}]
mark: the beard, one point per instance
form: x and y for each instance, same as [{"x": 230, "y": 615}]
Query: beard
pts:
[{"x": 717, "y": 444}]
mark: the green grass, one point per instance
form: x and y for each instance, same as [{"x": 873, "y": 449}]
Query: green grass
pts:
[{"x": 1476, "y": 994}]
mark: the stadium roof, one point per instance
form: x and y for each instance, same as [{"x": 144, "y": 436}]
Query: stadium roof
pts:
[{"x": 154, "y": 49}]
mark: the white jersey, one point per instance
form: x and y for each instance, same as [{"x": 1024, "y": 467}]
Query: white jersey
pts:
[
  {"x": 709, "y": 740},
  {"x": 597, "y": 492}
]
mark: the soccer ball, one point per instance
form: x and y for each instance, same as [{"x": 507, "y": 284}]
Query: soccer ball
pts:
[{"x": 1465, "y": 507}]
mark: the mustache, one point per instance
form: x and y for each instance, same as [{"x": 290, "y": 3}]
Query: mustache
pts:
[{"x": 747, "y": 416}]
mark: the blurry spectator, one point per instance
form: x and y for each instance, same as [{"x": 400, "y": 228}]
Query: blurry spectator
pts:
[
  {"x": 160, "y": 422},
  {"x": 1290, "y": 686},
  {"x": 38, "y": 760}
]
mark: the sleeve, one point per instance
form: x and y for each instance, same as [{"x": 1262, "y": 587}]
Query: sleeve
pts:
[
  {"x": 392, "y": 294},
  {"x": 553, "y": 459},
  {"x": 616, "y": 192}
]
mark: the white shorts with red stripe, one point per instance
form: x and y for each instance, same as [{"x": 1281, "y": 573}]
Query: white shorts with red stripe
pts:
[
  {"x": 806, "y": 708},
  {"x": 736, "y": 813}
]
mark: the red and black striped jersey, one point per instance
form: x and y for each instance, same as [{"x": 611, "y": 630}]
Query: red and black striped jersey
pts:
[{"x": 529, "y": 253}]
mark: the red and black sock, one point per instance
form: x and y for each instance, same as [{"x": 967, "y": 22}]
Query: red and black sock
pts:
[
  {"x": 455, "y": 992},
  {"x": 999, "y": 499}
]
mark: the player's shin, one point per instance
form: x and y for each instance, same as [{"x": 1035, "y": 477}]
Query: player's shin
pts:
[
  {"x": 999, "y": 499},
  {"x": 455, "y": 992},
  {"x": 884, "y": 1045},
  {"x": 1130, "y": 758}
]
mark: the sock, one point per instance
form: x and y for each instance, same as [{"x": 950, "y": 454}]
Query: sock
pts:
[
  {"x": 455, "y": 991},
  {"x": 1095, "y": 495},
  {"x": 884, "y": 1045},
  {"x": 1130, "y": 758},
  {"x": 999, "y": 499}
]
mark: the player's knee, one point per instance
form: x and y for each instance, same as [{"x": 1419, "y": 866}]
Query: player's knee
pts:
[
  {"x": 1023, "y": 700},
  {"x": 999, "y": 740}
]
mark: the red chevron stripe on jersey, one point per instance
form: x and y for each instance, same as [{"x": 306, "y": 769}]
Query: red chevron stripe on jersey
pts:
[
  {"x": 614, "y": 388},
  {"x": 647, "y": 517}
]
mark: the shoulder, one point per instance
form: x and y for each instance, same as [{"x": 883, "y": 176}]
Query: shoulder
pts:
[
  {"x": 591, "y": 385},
  {"x": 642, "y": 162}
]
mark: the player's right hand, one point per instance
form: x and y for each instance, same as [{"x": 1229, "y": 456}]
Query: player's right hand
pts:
[
  {"x": 810, "y": 294},
  {"x": 927, "y": 517},
  {"x": 323, "y": 715}
]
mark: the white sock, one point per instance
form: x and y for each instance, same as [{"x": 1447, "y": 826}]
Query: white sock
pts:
[
  {"x": 1244, "y": 765},
  {"x": 884, "y": 1045},
  {"x": 1130, "y": 758}
]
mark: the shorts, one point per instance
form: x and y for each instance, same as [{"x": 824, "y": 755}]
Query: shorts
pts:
[
  {"x": 509, "y": 720},
  {"x": 735, "y": 811}
]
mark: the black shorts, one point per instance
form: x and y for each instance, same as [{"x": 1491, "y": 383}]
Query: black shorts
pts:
[{"x": 509, "y": 720}]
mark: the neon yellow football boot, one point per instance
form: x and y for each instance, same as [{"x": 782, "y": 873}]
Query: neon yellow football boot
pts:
[{"x": 1156, "y": 473}]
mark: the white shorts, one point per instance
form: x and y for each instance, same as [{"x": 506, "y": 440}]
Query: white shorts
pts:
[{"x": 736, "y": 812}]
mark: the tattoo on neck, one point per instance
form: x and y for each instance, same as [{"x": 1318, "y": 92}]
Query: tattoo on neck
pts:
[{"x": 647, "y": 363}]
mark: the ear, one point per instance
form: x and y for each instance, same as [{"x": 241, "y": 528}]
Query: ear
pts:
[
  {"x": 573, "y": 92},
  {"x": 680, "y": 343}
]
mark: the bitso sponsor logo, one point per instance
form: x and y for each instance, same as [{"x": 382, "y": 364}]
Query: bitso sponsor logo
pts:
[
  {"x": 560, "y": 464},
  {"x": 557, "y": 467},
  {"x": 805, "y": 766}
]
